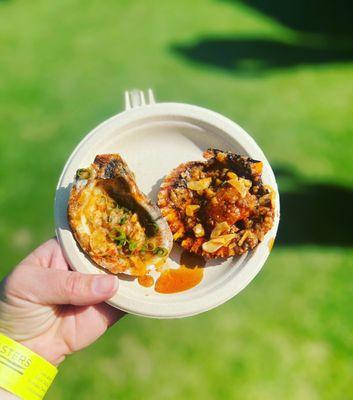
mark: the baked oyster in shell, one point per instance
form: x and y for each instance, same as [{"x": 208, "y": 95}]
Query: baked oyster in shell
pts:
[{"x": 115, "y": 224}]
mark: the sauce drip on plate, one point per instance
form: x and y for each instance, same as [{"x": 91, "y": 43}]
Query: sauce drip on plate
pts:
[
  {"x": 178, "y": 280},
  {"x": 271, "y": 242},
  {"x": 188, "y": 275},
  {"x": 145, "y": 280}
]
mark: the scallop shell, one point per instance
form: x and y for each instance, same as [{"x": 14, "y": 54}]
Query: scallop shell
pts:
[{"x": 217, "y": 208}]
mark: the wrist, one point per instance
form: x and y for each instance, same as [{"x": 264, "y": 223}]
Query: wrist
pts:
[
  {"x": 23, "y": 373},
  {"x": 48, "y": 347}
]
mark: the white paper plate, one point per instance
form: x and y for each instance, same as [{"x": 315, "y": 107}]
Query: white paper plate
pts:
[{"x": 154, "y": 139}]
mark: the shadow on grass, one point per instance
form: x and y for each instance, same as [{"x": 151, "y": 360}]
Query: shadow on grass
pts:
[
  {"x": 314, "y": 213},
  {"x": 322, "y": 32},
  {"x": 327, "y": 18},
  {"x": 250, "y": 55}
]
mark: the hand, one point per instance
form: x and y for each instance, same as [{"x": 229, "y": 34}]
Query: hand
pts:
[{"x": 54, "y": 311}]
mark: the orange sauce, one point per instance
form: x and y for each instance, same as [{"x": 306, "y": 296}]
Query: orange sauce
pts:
[
  {"x": 145, "y": 280},
  {"x": 271, "y": 242},
  {"x": 178, "y": 280}
]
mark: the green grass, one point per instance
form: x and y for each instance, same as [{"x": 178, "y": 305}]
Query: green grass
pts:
[{"x": 63, "y": 68}]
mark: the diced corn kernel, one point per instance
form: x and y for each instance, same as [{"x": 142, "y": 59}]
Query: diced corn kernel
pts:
[
  {"x": 169, "y": 215},
  {"x": 232, "y": 175},
  {"x": 245, "y": 182},
  {"x": 201, "y": 184},
  {"x": 214, "y": 201},
  {"x": 190, "y": 209},
  {"x": 198, "y": 230},
  {"x": 272, "y": 195},
  {"x": 184, "y": 242},
  {"x": 209, "y": 193},
  {"x": 221, "y": 157},
  {"x": 256, "y": 168},
  {"x": 178, "y": 234}
]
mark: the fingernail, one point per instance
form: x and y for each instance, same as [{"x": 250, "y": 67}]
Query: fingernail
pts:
[{"x": 104, "y": 284}]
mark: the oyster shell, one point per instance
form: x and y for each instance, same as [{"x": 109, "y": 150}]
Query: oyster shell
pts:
[{"x": 114, "y": 222}]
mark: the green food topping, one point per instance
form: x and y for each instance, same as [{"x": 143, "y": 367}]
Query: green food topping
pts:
[
  {"x": 155, "y": 227},
  {"x": 160, "y": 251},
  {"x": 123, "y": 219},
  {"x": 150, "y": 246},
  {"x": 144, "y": 248},
  {"x": 83, "y": 173},
  {"x": 118, "y": 236},
  {"x": 132, "y": 246}
]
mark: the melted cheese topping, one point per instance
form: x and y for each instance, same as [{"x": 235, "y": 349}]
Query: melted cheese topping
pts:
[{"x": 113, "y": 235}]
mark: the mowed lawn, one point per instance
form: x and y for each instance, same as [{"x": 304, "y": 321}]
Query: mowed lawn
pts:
[{"x": 63, "y": 68}]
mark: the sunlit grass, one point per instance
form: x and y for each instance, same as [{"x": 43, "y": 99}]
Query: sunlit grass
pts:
[{"x": 63, "y": 68}]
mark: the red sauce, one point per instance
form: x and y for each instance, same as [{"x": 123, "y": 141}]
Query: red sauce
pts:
[
  {"x": 145, "y": 280},
  {"x": 178, "y": 280},
  {"x": 228, "y": 207}
]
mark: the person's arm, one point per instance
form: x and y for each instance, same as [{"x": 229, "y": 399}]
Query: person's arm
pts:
[{"x": 54, "y": 311}]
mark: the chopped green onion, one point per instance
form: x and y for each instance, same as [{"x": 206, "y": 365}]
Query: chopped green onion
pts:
[
  {"x": 160, "y": 251},
  {"x": 83, "y": 173},
  {"x": 123, "y": 219},
  {"x": 120, "y": 241},
  {"x": 156, "y": 227},
  {"x": 132, "y": 246},
  {"x": 148, "y": 247},
  {"x": 118, "y": 236}
]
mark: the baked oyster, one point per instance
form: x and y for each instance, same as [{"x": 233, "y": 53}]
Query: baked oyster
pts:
[
  {"x": 113, "y": 221},
  {"x": 218, "y": 207}
]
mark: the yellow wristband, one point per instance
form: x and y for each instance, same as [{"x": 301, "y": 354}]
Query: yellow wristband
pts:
[{"x": 22, "y": 372}]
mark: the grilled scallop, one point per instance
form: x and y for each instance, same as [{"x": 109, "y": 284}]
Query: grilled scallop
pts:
[
  {"x": 218, "y": 207},
  {"x": 113, "y": 221}
]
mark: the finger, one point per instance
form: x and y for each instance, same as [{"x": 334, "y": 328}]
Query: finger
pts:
[
  {"x": 109, "y": 314},
  {"x": 52, "y": 286},
  {"x": 47, "y": 255},
  {"x": 90, "y": 322}
]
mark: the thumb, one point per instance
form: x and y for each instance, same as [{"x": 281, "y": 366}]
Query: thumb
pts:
[{"x": 54, "y": 286}]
